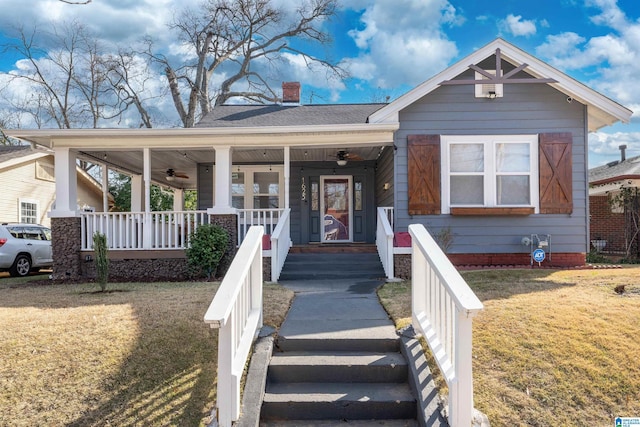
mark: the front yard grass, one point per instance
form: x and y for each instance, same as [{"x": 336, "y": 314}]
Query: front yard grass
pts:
[
  {"x": 551, "y": 347},
  {"x": 137, "y": 355}
]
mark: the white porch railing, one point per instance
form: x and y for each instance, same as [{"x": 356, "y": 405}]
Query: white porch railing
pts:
[
  {"x": 280, "y": 244},
  {"x": 384, "y": 239},
  {"x": 268, "y": 218},
  {"x": 236, "y": 310},
  {"x": 442, "y": 308},
  {"x": 141, "y": 230}
]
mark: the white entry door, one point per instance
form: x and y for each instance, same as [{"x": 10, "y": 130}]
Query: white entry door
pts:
[{"x": 336, "y": 208}]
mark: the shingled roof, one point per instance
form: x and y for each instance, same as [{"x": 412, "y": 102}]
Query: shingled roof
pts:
[
  {"x": 10, "y": 152},
  {"x": 629, "y": 168},
  {"x": 288, "y": 115}
]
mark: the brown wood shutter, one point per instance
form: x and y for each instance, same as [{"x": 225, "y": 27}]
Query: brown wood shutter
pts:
[
  {"x": 423, "y": 152},
  {"x": 556, "y": 189}
]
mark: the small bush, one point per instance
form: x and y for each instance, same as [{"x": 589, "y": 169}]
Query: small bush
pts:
[
  {"x": 102, "y": 260},
  {"x": 207, "y": 246},
  {"x": 594, "y": 257}
]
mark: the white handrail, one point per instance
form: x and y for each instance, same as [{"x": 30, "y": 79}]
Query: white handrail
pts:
[
  {"x": 127, "y": 230},
  {"x": 268, "y": 218},
  {"x": 442, "y": 308},
  {"x": 280, "y": 244},
  {"x": 236, "y": 310},
  {"x": 384, "y": 240}
]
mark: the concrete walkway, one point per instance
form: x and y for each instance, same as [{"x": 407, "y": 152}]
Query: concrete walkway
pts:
[{"x": 336, "y": 310}]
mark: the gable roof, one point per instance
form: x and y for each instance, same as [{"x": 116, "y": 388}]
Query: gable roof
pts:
[
  {"x": 11, "y": 155},
  {"x": 602, "y": 111},
  {"x": 237, "y": 115},
  {"x": 614, "y": 171}
]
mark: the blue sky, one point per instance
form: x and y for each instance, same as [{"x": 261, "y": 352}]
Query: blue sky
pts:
[{"x": 389, "y": 46}]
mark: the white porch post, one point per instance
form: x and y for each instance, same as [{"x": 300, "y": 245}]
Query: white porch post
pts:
[
  {"x": 137, "y": 191},
  {"x": 222, "y": 200},
  {"x": 146, "y": 172},
  {"x": 66, "y": 184},
  {"x": 287, "y": 174},
  {"x": 178, "y": 199},
  {"x": 105, "y": 188}
]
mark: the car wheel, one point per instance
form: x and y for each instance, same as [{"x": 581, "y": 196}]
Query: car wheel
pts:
[{"x": 21, "y": 266}]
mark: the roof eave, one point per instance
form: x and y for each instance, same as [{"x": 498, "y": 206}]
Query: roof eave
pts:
[{"x": 229, "y": 135}]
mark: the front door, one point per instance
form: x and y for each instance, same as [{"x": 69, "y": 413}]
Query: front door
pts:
[{"x": 336, "y": 209}]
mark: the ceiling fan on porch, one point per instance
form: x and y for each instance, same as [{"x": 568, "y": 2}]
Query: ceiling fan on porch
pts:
[
  {"x": 342, "y": 156},
  {"x": 172, "y": 175}
]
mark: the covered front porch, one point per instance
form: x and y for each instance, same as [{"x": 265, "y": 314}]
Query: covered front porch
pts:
[{"x": 286, "y": 179}]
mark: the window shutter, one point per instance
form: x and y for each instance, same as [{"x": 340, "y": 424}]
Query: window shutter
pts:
[
  {"x": 556, "y": 189},
  {"x": 423, "y": 174}
]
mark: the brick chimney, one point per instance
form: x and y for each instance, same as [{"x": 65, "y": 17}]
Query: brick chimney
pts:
[{"x": 291, "y": 92}]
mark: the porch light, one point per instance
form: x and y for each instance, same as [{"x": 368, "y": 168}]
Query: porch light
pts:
[
  {"x": 341, "y": 162},
  {"x": 491, "y": 94}
]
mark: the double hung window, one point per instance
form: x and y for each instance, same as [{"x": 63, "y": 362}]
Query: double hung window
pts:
[{"x": 495, "y": 171}]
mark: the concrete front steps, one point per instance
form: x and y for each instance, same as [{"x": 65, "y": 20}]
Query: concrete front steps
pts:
[
  {"x": 315, "y": 388},
  {"x": 337, "y": 361}
]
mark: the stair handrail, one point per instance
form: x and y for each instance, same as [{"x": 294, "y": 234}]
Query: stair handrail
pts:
[
  {"x": 280, "y": 244},
  {"x": 442, "y": 308},
  {"x": 236, "y": 310},
  {"x": 384, "y": 240}
]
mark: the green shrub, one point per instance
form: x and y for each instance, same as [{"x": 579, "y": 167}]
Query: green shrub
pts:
[
  {"x": 594, "y": 257},
  {"x": 207, "y": 246},
  {"x": 102, "y": 260}
]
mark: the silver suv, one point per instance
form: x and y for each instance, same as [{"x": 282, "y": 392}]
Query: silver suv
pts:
[{"x": 24, "y": 247}]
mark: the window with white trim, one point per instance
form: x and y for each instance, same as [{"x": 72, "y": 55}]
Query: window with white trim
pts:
[
  {"x": 257, "y": 187},
  {"x": 492, "y": 171},
  {"x": 29, "y": 211}
]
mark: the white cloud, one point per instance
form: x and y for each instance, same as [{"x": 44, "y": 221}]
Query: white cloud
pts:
[
  {"x": 518, "y": 26},
  {"x": 612, "y": 60},
  {"x": 604, "y": 147},
  {"x": 402, "y": 42}
]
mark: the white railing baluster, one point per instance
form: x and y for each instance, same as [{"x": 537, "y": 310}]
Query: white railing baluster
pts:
[
  {"x": 384, "y": 240},
  {"x": 268, "y": 218},
  {"x": 280, "y": 243},
  {"x": 236, "y": 310},
  {"x": 442, "y": 308},
  {"x": 126, "y": 230}
]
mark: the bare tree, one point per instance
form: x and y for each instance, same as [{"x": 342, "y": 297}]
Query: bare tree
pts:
[
  {"x": 71, "y": 81},
  {"x": 241, "y": 40}
]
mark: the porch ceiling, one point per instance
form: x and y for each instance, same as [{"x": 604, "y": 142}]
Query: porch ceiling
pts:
[
  {"x": 183, "y": 149},
  {"x": 185, "y": 162}
]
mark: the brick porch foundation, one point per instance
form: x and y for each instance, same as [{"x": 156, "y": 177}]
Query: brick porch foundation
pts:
[{"x": 402, "y": 262}]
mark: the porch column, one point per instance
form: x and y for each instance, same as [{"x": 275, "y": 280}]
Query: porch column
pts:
[
  {"x": 178, "y": 200},
  {"x": 222, "y": 200},
  {"x": 287, "y": 174},
  {"x": 222, "y": 213},
  {"x": 105, "y": 188},
  {"x": 66, "y": 184},
  {"x": 146, "y": 173},
  {"x": 66, "y": 227},
  {"x": 137, "y": 190}
]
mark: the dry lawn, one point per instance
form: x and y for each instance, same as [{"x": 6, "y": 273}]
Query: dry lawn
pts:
[
  {"x": 139, "y": 355},
  {"x": 551, "y": 347}
]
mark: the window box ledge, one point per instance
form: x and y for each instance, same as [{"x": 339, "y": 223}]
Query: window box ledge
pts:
[{"x": 493, "y": 211}]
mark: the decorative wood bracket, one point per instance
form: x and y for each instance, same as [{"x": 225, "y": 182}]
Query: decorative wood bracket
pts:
[{"x": 498, "y": 78}]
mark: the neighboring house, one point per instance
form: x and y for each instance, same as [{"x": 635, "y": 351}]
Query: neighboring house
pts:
[
  {"x": 28, "y": 185},
  {"x": 612, "y": 226},
  {"x": 490, "y": 152}
]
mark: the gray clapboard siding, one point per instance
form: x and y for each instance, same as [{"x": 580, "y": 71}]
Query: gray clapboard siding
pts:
[{"x": 524, "y": 109}]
